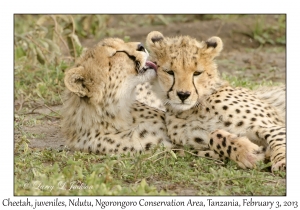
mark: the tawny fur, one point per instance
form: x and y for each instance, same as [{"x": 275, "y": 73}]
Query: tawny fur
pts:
[
  {"x": 198, "y": 102},
  {"x": 100, "y": 111}
]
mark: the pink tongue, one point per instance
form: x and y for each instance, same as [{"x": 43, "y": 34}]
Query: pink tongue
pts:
[{"x": 151, "y": 65}]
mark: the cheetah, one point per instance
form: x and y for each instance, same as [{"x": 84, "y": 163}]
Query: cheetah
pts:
[
  {"x": 100, "y": 112},
  {"x": 145, "y": 94},
  {"x": 205, "y": 112}
]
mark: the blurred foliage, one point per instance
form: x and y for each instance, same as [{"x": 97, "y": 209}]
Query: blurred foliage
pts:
[
  {"x": 45, "y": 45},
  {"x": 272, "y": 34},
  {"x": 47, "y": 40},
  {"x": 265, "y": 33}
]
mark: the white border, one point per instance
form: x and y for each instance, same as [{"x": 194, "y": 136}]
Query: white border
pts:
[{"x": 226, "y": 7}]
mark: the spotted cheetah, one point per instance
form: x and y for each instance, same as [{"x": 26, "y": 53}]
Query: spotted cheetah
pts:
[
  {"x": 204, "y": 111},
  {"x": 145, "y": 94},
  {"x": 100, "y": 113}
]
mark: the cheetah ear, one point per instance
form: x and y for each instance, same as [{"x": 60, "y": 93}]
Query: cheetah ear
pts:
[
  {"x": 213, "y": 46},
  {"x": 154, "y": 40},
  {"x": 74, "y": 81}
]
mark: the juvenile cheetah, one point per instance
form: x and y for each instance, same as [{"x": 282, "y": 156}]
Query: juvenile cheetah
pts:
[
  {"x": 205, "y": 112},
  {"x": 145, "y": 94},
  {"x": 100, "y": 112}
]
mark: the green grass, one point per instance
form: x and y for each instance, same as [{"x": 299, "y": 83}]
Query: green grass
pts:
[
  {"x": 260, "y": 31},
  {"x": 47, "y": 45},
  {"x": 239, "y": 81},
  {"x": 61, "y": 172},
  {"x": 269, "y": 34}
]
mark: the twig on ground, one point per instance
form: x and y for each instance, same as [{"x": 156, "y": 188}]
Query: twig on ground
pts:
[{"x": 59, "y": 35}]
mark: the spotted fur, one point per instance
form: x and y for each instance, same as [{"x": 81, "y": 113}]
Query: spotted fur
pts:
[
  {"x": 204, "y": 111},
  {"x": 100, "y": 113},
  {"x": 145, "y": 94}
]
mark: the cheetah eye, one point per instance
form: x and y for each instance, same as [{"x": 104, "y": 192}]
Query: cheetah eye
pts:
[
  {"x": 197, "y": 73},
  {"x": 141, "y": 48},
  {"x": 170, "y": 72}
]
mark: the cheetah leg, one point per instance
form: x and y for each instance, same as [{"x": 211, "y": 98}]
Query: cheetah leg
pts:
[
  {"x": 211, "y": 154},
  {"x": 239, "y": 149},
  {"x": 275, "y": 136},
  {"x": 188, "y": 134},
  {"x": 183, "y": 133},
  {"x": 132, "y": 141},
  {"x": 206, "y": 153}
]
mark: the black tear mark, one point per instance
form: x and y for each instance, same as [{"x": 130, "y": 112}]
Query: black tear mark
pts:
[{"x": 172, "y": 87}]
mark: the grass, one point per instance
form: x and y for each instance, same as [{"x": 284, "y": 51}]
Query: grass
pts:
[
  {"x": 240, "y": 81},
  {"x": 44, "y": 47},
  {"x": 61, "y": 172},
  {"x": 269, "y": 34},
  {"x": 261, "y": 32}
]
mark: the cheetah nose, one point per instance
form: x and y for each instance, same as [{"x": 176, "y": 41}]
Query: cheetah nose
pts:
[{"x": 183, "y": 95}]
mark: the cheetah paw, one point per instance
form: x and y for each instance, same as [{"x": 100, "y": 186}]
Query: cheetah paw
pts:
[
  {"x": 279, "y": 166},
  {"x": 239, "y": 149}
]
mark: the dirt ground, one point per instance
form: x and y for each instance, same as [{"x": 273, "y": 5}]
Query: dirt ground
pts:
[{"x": 241, "y": 56}]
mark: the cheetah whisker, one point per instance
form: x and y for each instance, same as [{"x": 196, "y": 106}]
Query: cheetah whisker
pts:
[
  {"x": 198, "y": 103},
  {"x": 167, "y": 103},
  {"x": 234, "y": 121}
]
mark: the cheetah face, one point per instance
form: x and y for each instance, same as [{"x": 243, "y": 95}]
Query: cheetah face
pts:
[
  {"x": 186, "y": 70},
  {"x": 111, "y": 69}
]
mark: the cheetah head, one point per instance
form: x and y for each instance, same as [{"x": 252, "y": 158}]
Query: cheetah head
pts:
[
  {"x": 185, "y": 67},
  {"x": 110, "y": 71}
]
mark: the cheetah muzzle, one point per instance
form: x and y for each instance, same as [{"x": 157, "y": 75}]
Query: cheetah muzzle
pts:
[
  {"x": 200, "y": 106},
  {"x": 100, "y": 112}
]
